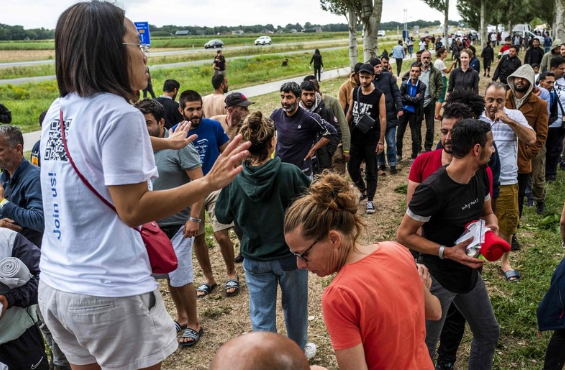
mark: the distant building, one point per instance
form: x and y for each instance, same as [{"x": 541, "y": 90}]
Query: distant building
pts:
[
  {"x": 182, "y": 33},
  {"x": 237, "y": 32}
]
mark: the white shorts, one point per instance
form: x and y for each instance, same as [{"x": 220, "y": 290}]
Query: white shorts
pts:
[
  {"x": 125, "y": 333},
  {"x": 184, "y": 273}
]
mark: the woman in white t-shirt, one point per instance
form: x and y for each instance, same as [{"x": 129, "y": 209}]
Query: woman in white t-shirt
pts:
[
  {"x": 440, "y": 64},
  {"x": 96, "y": 293}
]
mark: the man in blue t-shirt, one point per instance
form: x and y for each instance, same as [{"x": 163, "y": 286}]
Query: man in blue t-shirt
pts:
[
  {"x": 297, "y": 128},
  {"x": 211, "y": 141}
]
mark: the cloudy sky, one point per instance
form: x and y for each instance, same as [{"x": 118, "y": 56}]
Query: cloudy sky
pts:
[{"x": 44, "y": 13}]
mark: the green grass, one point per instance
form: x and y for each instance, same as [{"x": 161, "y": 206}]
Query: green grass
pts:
[
  {"x": 27, "y": 101},
  {"x": 190, "y": 41}
]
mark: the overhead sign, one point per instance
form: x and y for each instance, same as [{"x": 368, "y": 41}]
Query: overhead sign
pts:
[{"x": 143, "y": 29}]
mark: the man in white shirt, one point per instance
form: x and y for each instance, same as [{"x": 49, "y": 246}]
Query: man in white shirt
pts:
[{"x": 508, "y": 125}]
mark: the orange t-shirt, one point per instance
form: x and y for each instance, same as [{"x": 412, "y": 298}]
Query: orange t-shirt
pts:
[{"x": 379, "y": 302}]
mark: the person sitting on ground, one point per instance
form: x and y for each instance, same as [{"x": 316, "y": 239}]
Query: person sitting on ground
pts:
[
  {"x": 256, "y": 201},
  {"x": 21, "y": 343},
  {"x": 374, "y": 308},
  {"x": 261, "y": 351}
]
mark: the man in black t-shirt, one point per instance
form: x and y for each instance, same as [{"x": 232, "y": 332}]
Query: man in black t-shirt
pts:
[
  {"x": 442, "y": 205},
  {"x": 366, "y": 99}
]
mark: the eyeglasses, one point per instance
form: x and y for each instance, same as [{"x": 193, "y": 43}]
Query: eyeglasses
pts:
[
  {"x": 303, "y": 255},
  {"x": 144, "y": 48}
]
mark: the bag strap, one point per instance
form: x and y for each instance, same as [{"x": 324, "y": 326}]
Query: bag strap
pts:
[{"x": 80, "y": 175}]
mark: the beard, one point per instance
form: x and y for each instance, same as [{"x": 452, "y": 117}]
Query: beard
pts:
[
  {"x": 192, "y": 120},
  {"x": 291, "y": 107}
]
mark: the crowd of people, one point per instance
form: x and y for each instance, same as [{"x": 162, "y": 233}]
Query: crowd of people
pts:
[{"x": 111, "y": 162}]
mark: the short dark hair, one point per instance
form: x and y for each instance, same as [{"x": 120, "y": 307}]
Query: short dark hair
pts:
[
  {"x": 291, "y": 87},
  {"x": 416, "y": 64},
  {"x": 556, "y": 61},
  {"x": 508, "y": 38},
  {"x": 310, "y": 78},
  {"x": 42, "y": 117},
  {"x": 384, "y": 57},
  {"x": 308, "y": 86},
  {"x": 543, "y": 76},
  {"x": 419, "y": 52},
  {"x": 90, "y": 56},
  {"x": 468, "y": 97},
  {"x": 217, "y": 81},
  {"x": 466, "y": 134},
  {"x": 171, "y": 85},
  {"x": 12, "y": 135},
  {"x": 457, "y": 111},
  {"x": 440, "y": 51},
  {"x": 357, "y": 67},
  {"x": 399, "y": 42},
  {"x": 151, "y": 106},
  {"x": 189, "y": 95},
  {"x": 513, "y": 47},
  {"x": 534, "y": 65}
]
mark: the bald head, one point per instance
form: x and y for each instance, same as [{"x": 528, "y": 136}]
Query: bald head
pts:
[{"x": 260, "y": 351}]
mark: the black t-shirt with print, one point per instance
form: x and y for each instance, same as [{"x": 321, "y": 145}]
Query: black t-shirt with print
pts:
[
  {"x": 446, "y": 207},
  {"x": 368, "y": 104}
]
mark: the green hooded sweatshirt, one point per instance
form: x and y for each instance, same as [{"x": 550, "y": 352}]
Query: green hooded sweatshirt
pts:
[{"x": 257, "y": 200}]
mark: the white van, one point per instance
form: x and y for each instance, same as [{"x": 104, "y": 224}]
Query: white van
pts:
[
  {"x": 521, "y": 28},
  {"x": 523, "y": 34}
]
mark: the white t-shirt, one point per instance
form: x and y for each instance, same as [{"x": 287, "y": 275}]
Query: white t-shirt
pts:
[
  {"x": 507, "y": 144},
  {"x": 560, "y": 91},
  {"x": 439, "y": 64},
  {"x": 422, "y": 45},
  {"x": 86, "y": 248}
]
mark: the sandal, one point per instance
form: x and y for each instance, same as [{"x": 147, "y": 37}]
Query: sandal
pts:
[
  {"x": 512, "y": 276},
  {"x": 191, "y": 334},
  {"x": 232, "y": 284},
  {"x": 206, "y": 289},
  {"x": 179, "y": 327}
]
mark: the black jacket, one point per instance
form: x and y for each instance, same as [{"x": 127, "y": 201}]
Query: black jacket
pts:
[
  {"x": 488, "y": 53},
  {"x": 534, "y": 56},
  {"x": 387, "y": 84},
  {"x": 417, "y": 101},
  {"x": 505, "y": 68},
  {"x": 324, "y": 155}
]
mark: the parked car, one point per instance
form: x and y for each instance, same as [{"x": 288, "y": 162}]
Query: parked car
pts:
[
  {"x": 212, "y": 44},
  {"x": 381, "y": 33},
  {"x": 263, "y": 40}
]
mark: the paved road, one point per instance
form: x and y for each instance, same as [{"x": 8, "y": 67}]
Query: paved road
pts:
[
  {"x": 18, "y": 81},
  {"x": 190, "y": 51},
  {"x": 31, "y": 137}
]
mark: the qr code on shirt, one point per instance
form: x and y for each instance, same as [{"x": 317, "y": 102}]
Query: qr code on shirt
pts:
[{"x": 55, "y": 150}]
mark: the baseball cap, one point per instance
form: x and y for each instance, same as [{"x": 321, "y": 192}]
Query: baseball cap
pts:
[
  {"x": 237, "y": 98},
  {"x": 374, "y": 61},
  {"x": 367, "y": 68}
]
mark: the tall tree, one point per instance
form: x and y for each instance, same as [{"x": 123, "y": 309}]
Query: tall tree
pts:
[
  {"x": 443, "y": 7},
  {"x": 559, "y": 23},
  {"x": 340, "y": 7}
]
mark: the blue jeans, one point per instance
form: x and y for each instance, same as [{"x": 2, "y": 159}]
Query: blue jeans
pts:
[
  {"x": 390, "y": 137},
  {"x": 262, "y": 278},
  {"x": 476, "y": 308}
]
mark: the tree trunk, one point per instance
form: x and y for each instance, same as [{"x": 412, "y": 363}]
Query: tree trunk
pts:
[
  {"x": 369, "y": 30},
  {"x": 509, "y": 25},
  {"x": 559, "y": 25},
  {"x": 352, "y": 26},
  {"x": 445, "y": 26},
  {"x": 483, "y": 28},
  {"x": 376, "y": 16}
]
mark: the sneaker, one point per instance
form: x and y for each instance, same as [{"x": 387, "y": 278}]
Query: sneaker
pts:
[
  {"x": 393, "y": 170},
  {"x": 370, "y": 207},
  {"x": 514, "y": 246},
  {"x": 362, "y": 197},
  {"x": 239, "y": 258},
  {"x": 310, "y": 350},
  {"x": 540, "y": 208},
  {"x": 441, "y": 365}
]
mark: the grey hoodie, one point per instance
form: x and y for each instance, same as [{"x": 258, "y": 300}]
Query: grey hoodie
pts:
[{"x": 527, "y": 73}]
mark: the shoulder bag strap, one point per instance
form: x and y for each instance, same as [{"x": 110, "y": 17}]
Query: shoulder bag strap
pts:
[{"x": 80, "y": 175}]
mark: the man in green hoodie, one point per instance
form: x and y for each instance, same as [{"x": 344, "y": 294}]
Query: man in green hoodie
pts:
[{"x": 553, "y": 52}]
